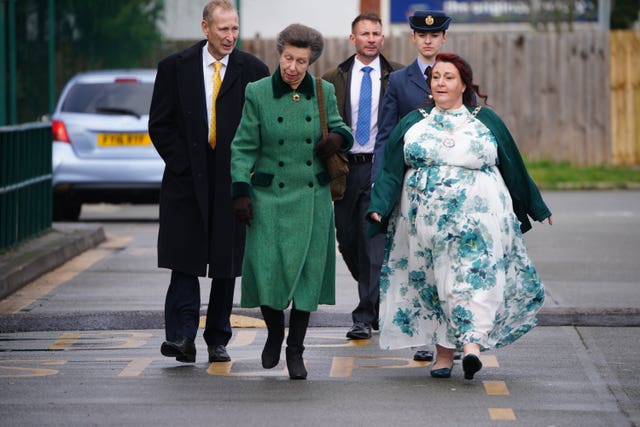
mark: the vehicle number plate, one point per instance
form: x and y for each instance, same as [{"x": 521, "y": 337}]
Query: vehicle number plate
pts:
[{"x": 123, "y": 139}]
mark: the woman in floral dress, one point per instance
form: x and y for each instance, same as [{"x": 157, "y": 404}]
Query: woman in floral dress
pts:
[{"x": 454, "y": 197}]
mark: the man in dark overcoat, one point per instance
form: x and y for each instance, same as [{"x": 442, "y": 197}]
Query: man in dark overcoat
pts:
[
  {"x": 195, "y": 110},
  {"x": 362, "y": 255}
]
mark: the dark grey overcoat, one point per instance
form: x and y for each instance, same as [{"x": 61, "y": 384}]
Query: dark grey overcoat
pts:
[{"x": 179, "y": 131}]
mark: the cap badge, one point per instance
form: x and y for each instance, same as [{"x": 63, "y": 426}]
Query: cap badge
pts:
[{"x": 429, "y": 20}]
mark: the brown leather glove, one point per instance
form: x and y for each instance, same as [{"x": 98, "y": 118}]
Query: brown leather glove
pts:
[
  {"x": 243, "y": 209},
  {"x": 329, "y": 145}
]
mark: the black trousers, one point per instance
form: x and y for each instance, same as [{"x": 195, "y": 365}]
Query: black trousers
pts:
[
  {"x": 362, "y": 255},
  {"x": 182, "y": 309}
]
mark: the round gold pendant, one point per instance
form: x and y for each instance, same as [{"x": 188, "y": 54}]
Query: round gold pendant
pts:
[{"x": 295, "y": 97}]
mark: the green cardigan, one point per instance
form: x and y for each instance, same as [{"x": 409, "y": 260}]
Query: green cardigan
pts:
[{"x": 525, "y": 195}]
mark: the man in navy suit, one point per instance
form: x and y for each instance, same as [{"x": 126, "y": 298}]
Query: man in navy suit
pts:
[
  {"x": 362, "y": 255},
  {"x": 408, "y": 90},
  {"x": 195, "y": 109}
]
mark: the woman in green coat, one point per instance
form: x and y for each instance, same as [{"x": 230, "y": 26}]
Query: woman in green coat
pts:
[{"x": 280, "y": 190}]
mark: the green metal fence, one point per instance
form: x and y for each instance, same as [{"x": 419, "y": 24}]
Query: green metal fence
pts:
[{"x": 25, "y": 182}]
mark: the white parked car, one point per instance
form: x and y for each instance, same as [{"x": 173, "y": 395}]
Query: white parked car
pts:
[{"x": 101, "y": 146}]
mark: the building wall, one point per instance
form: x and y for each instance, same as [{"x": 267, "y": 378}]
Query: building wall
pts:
[{"x": 264, "y": 18}]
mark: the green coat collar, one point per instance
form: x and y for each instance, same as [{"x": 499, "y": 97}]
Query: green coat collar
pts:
[{"x": 280, "y": 88}]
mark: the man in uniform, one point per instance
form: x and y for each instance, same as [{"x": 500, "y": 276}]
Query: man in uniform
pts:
[{"x": 408, "y": 87}]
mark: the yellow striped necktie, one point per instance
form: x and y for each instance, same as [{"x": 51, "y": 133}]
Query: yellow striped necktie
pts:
[{"x": 217, "y": 82}]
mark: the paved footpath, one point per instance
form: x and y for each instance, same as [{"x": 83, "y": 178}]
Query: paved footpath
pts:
[{"x": 79, "y": 345}]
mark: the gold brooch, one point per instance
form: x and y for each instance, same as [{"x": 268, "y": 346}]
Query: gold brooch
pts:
[
  {"x": 429, "y": 20},
  {"x": 295, "y": 97}
]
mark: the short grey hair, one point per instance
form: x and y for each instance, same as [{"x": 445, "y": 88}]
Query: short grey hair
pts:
[
  {"x": 299, "y": 35},
  {"x": 207, "y": 12}
]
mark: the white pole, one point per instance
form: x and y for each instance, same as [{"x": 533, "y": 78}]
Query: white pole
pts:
[{"x": 604, "y": 14}]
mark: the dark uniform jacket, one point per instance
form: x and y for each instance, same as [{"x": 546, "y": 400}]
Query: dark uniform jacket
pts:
[
  {"x": 407, "y": 91},
  {"x": 341, "y": 79},
  {"x": 192, "y": 235}
]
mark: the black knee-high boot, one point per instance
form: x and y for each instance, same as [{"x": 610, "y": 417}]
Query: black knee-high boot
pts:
[
  {"x": 275, "y": 326},
  {"x": 298, "y": 322}
]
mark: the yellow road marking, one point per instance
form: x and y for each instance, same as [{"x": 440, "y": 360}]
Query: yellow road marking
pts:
[
  {"x": 489, "y": 361},
  {"x": 496, "y": 388},
  {"x": 342, "y": 367},
  {"x": 27, "y": 372},
  {"x": 100, "y": 340},
  {"x": 67, "y": 271},
  {"x": 142, "y": 251},
  {"x": 243, "y": 338},
  {"x": 238, "y": 321},
  {"x": 220, "y": 368},
  {"x": 135, "y": 366},
  {"x": 348, "y": 343},
  {"x": 502, "y": 414}
]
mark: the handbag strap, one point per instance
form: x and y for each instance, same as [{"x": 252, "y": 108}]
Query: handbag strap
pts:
[{"x": 323, "y": 113}]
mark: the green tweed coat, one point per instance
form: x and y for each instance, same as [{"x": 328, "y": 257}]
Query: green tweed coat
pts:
[{"x": 290, "y": 244}]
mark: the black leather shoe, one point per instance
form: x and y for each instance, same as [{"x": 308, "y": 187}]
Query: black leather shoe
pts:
[
  {"x": 470, "y": 365},
  {"x": 423, "y": 356},
  {"x": 359, "y": 331},
  {"x": 218, "y": 353},
  {"x": 375, "y": 326},
  {"x": 184, "y": 350}
]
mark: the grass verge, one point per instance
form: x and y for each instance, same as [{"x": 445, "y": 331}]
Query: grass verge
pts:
[{"x": 565, "y": 176}]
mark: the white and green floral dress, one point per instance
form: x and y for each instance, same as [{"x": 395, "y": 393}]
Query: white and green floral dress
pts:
[{"x": 458, "y": 271}]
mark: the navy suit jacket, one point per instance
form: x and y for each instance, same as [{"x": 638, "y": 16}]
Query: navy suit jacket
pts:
[{"x": 406, "y": 91}]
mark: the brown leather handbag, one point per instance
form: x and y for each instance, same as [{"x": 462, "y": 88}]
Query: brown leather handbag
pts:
[{"x": 337, "y": 165}]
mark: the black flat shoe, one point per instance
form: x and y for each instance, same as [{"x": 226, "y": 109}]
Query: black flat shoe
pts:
[
  {"x": 470, "y": 365},
  {"x": 442, "y": 372},
  {"x": 184, "y": 350},
  {"x": 423, "y": 356}
]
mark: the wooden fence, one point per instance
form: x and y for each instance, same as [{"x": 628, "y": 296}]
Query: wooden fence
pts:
[
  {"x": 565, "y": 96},
  {"x": 625, "y": 97}
]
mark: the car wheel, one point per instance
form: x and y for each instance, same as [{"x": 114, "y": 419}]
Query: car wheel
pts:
[{"x": 66, "y": 209}]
